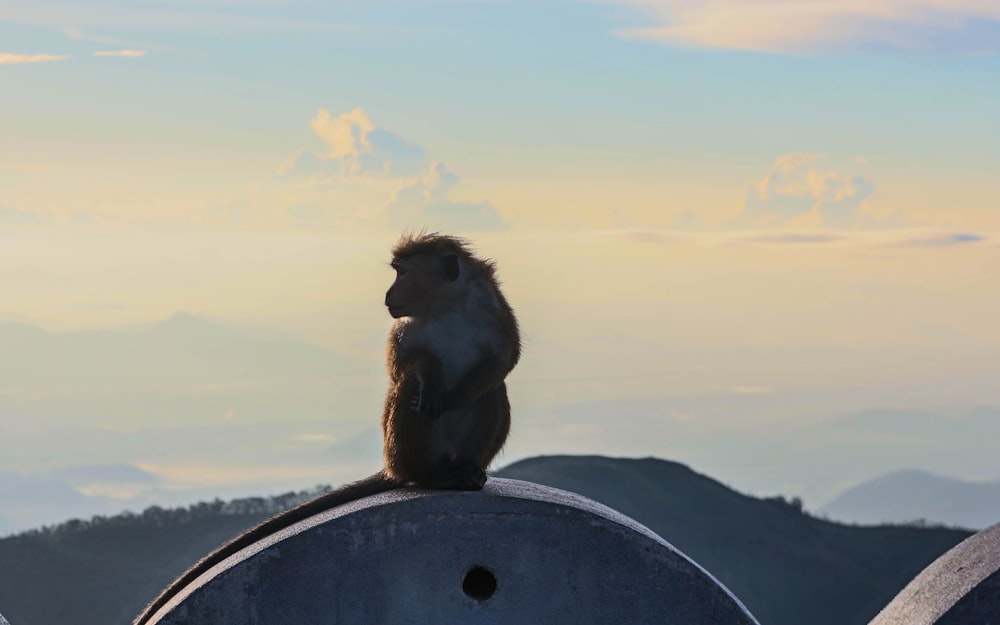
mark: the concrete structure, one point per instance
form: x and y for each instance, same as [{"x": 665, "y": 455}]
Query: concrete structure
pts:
[
  {"x": 3, "y": 621},
  {"x": 513, "y": 553},
  {"x": 962, "y": 587}
]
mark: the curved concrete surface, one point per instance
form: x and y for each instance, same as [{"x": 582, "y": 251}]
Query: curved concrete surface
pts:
[
  {"x": 514, "y": 552},
  {"x": 962, "y": 587}
]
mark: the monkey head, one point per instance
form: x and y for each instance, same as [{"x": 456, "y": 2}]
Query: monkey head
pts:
[{"x": 425, "y": 285}]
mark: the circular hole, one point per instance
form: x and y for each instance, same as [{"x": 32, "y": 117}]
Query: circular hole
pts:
[{"x": 479, "y": 583}]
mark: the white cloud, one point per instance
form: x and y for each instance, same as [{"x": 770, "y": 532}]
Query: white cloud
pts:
[
  {"x": 346, "y": 134},
  {"x": 801, "y": 190},
  {"x": 356, "y": 147},
  {"x": 898, "y": 237},
  {"x": 125, "y": 53},
  {"x": 424, "y": 204},
  {"x": 824, "y": 25},
  {"x": 362, "y": 158},
  {"x": 18, "y": 59}
]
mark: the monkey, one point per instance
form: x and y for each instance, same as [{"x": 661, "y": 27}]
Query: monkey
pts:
[
  {"x": 452, "y": 344},
  {"x": 454, "y": 339}
]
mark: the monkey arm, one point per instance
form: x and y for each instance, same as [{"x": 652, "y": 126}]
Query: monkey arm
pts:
[
  {"x": 486, "y": 375},
  {"x": 423, "y": 381}
]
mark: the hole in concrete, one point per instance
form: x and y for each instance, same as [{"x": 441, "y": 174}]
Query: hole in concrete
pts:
[{"x": 479, "y": 583}]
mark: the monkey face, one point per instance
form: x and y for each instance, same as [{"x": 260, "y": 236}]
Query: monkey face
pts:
[{"x": 425, "y": 285}]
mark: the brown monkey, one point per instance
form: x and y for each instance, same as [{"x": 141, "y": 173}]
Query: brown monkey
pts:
[
  {"x": 454, "y": 340},
  {"x": 446, "y": 415}
]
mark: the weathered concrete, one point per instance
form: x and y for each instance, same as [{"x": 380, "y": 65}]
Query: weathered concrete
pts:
[
  {"x": 513, "y": 553},
  {"x": 962, "y": 587}
]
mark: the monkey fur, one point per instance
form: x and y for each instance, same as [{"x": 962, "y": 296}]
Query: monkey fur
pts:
[{"x": 446, "y": 414}]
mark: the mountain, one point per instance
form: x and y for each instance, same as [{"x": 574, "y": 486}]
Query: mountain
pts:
[
  {"x": 912, "y": 495},
  {"x": 852, "y": 448},
  {"x": 65, "y": 494},
  {"x": 787, "y": 566},
  {"x": 103, "y": 571},
  {"x": 25, "y": 499}
]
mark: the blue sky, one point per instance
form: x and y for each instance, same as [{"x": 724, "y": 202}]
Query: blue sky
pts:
[{"x": 530, "y": 78}]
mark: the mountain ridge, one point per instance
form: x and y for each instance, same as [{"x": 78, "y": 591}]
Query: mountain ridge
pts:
[
  {"x": 910, "y": 495},
  {"x": 781, "y": 562},
  {"x": 184, "y": 350}
]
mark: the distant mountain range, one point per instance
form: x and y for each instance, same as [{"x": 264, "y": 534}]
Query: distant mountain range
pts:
[
  {"x": 198, "y": 390},
  {"x": 192, "y": 386},
  {"x": 183, "y": 352},
  {"x": 788, "y": 567},
  {"x": 914, "y": 495}
]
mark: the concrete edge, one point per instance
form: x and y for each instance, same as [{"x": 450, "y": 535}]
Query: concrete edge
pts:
[
  {"x": 945, "y": 581},
  {"x": 502, "y": 488}
]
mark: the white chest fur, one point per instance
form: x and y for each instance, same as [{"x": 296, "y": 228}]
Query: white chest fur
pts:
[{"x": 459, "y": 338}]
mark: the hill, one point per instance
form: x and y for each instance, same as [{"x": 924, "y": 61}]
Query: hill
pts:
[
  {"x": 912, "y": 495},
  {"x": 786, "y": 566},
  {"x": 103, "y": 571}
]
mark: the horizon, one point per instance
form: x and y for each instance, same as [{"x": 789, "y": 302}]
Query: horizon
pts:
[{"x": 759, "y": 242}]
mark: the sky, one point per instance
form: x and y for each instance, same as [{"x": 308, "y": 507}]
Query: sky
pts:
[{"x": 736, "y": 233}]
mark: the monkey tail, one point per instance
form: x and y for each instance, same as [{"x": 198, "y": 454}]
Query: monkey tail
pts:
[{"x": 371, "y": 485}]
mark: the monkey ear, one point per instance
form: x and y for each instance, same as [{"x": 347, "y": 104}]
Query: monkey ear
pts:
[{"x": 451, "y": 268}]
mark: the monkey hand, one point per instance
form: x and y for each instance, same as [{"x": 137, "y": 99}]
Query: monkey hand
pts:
[{"x": 427, "y": 400}]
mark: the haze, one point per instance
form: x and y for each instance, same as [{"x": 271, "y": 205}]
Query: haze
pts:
[{"x": 761, "y": 242}]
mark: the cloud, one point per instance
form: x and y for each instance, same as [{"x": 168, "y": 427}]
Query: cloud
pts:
[
  {"x": 356, "y": 147},
  {"x": 942, "y": 239},
  {"x": 965, "y": 26},
  {"x": 125, "y": 53},
  {"x": 184, "y": 475},
  {"x": 308, "y": 164},
  {"x": 362, "y": 159},
  {"x": 799, "y": 190},
  {"x": 16, "y": 217},
  {"x": 424, "y": 204},
  {"x": 18, "y": 59},
  {"x": 873, "y": 238},
  {"x": 75, "y": 33},
  {"x": 801, "y": 238},
  {"x": 346, "y": 134}
]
